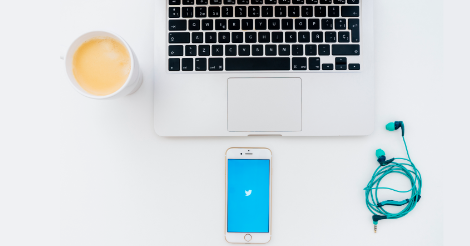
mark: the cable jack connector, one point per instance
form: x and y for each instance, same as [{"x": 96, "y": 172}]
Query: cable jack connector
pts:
[{"x": 375, "y": 219}]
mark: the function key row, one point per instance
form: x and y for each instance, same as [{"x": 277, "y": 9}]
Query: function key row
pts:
[
  {"x": 258, "y": 64},
  {"x": 264, "y": 11},
  {"x": 228, "y": 2}
]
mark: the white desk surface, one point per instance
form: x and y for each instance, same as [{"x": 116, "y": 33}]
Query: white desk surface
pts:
[{"x": 120, "y": 184}]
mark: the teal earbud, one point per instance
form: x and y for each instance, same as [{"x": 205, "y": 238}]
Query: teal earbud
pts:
[
  {"x": 392, "y": 126},
  {"x": 381, "y": 158}
]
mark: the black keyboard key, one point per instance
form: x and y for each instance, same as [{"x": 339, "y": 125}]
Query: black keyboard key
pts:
[
  {"x": 341, "y": 63},
  {"x": 230, "y": 50},
  {"x": 343, "y": 37},
  {"x": 264, "y": 37},
  {"x": 216, "y": 2},
  {"x": 244, "y": 50},
  {"x": 340, "y": 24},
  {"x": 194, "y": 25},
  {"x": 284, "y": 50},
  {"x": 257, "y": 50},
  {"x": 227, "y": 11},
  {"x": 270, "y": 1},
  {"x": 187, "y": 12},
  {"x": 291, "y": 37},
  {"x": 211, "y": 37},
  {"x": 221, "y": 24},
  {"x": 201, "y": 64},
  {"x": 243, "y": 1},
  {"x": 207, "y": 25},
  {"x": 297, "y": 50},
  {"x": 304, "y": 37},
  {"x": 175, "y": 2},
  {"x": 339, "y": 1},
  {"x": 271, "y": 50},
  {"x": 190, "y": 50},
  {"x": 229, "y": 1},
  {"x": 294, "y": 11},
  {"x": 201, "y": 2},
  {"x": 327, "y": 66},
  {"x": 174, "y": 12},
  {"x": 177, "y": 25},
  {"x": 224, "y": 37},
  {"x": 341, "y": 67},
  {"x": 247, "y": 24},
  {"x": 178, "y": 37},
  {"x": 325, "y": 1},
  {"x": 257, "y": 63},
  {"x": 188, "y": 2},
  {"x": 197, "y": 37},
  {"x": 214, "y": 11},
  {"x": 201, "y": 12},
  {"x": 327, "y": 24},
  {"x": 354, "y": 66},
  {"x": 330, "y": 37},
  {"x": 312, "y": 1},
  {"x": 250, "y": 37},
  {"x": 287, "y": 24},
  {"x": 237, "y": 37},
  {"x": 217, "y": 50},
  {"x": 317, "y": 37},
  {"x": 320, "y": 11},
  {"x": 311, "y": 49},
  {"x": 298, "y": 1},
  {"x": 353, "y": 1},
  {"x": 333, "y": 11},
  {"x": 175, "y": 50},
  {"x": 300, "y": 24},
  {"x": 274, "y": 24},
  {"x": 267, "y": 11},
  {"x": 260, "y": 24},
  {"x": 216, "y": 64},
  {"x": 307, "y": 11},
  {"x": 324, "y": 49},
  {"x": 314, "y": 24},
  {"x": 284, "y": 1},
  {"x": 277, "y": 37},
  {"x": 299, "y": 63},
  {"x": 174, "y": 64},
  {"x": 187, "y": 64},
  {"x": 240, "y": 11},
  {"x": 355, "y": 30},
  {"x": 204, "y": 50},
  {"x": 314, "y": 63},
  {"x": 256, "y": 1},
  {"x": 280, "y": 11},
  {"x": 234, "y": 24},
  {"x": 253, "y": 11},
  {"x": 346, "y": 50},
  {"x": 350, "y": 11}
]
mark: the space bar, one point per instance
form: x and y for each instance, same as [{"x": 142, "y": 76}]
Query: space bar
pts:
[{"x": 262, "y": 63}]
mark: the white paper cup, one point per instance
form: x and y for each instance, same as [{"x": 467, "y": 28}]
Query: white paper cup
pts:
[{"x": 132, "y": 83}]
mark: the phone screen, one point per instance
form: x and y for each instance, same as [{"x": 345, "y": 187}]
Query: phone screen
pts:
[{"x": 248, "y": 196}]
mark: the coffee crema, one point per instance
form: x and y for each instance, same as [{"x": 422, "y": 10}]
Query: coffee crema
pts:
[{"x": 101, "y": 65}]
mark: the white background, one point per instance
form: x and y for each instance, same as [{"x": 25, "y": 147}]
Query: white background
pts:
[{"x": 79, "y": 172}]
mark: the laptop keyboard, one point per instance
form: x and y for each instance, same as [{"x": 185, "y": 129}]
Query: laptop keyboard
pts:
[{"x": 263, "y": 35}]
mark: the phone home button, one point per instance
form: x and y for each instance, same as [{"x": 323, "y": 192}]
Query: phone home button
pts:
[{"x": 247, "y": 237}]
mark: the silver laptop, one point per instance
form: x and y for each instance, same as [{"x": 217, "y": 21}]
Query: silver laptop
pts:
[{"x": 264, "y": 67}]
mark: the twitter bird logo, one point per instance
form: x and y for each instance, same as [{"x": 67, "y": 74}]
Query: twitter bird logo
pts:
[{"x": 248, "y": 193}]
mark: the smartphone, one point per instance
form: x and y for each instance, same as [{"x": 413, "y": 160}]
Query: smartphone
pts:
[{"x": 248, "y": 195}]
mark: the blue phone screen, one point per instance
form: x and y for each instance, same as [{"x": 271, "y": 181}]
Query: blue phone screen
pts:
[{"x": 248, "y": 196}]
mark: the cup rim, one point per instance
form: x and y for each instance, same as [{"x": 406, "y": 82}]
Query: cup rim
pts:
[{"x": 81, "y": 90}]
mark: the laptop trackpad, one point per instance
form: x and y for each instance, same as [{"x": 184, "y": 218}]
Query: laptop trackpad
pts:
[{"x": 264, "y": 104}]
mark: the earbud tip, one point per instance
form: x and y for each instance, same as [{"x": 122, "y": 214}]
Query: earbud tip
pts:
[
  {"x": 390, "y": 126},
  {"x": 379, "y": 153}
]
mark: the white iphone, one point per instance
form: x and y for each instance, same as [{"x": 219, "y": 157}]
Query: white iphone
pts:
[{"x": 248, "y": 195}]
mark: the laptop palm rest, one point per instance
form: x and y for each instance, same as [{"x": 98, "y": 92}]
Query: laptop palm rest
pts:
[{"x": 264, "y": 104}]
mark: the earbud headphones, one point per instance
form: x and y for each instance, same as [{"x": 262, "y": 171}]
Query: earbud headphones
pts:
[{"x": 387, "y": 167}]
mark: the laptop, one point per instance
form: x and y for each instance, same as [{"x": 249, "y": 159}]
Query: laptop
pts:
[{"x": 264, "y": 68}]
